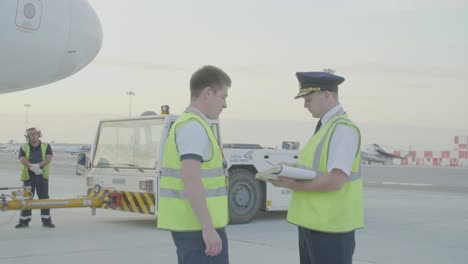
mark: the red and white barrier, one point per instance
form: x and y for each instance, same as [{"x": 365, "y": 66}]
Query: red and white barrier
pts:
[{"x": 455, "y": 158}]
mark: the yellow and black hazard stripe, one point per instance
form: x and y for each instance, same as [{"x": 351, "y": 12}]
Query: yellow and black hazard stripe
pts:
[{"x": 134, "y": 202}]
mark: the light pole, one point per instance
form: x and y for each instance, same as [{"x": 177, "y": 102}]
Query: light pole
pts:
[
  {"x": 130, "y": 94},
  {"x": 27, "y": 113}
]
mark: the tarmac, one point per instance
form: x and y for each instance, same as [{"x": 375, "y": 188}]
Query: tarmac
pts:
[{"x": 404, "y": 224}]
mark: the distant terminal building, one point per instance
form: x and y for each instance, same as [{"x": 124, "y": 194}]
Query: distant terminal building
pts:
[{"x": 457, "y": 157}]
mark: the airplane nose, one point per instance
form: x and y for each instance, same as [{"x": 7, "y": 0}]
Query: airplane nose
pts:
[{"x": 85, "y": 37}]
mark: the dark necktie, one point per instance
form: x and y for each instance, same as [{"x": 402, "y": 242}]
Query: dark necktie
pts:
[{"x": 317, "y": 128}]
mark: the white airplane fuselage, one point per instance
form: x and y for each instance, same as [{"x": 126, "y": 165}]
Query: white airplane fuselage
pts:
[{"x": 44, "y": 41}]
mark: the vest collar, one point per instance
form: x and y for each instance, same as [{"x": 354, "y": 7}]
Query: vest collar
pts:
[
  {"x": 194, "y": 110},
  {"x": 337, "y": 110}
]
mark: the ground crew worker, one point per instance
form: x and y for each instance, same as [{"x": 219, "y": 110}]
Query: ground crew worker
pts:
[
  {"x": 193, "y": 201},
  {"x": 35, "y": 157},
  {"x": 328, "y": 208}
]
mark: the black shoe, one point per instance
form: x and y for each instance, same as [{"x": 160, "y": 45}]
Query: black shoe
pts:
[
  {"x": 50, "y": 225},
  {"x": 21, "y": 225}
]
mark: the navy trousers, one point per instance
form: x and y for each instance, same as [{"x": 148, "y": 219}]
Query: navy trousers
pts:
[
  {"x": 191, "y": 248},
  {"x": 326, "y": 248},
  {"x": 41, "y": 186}
]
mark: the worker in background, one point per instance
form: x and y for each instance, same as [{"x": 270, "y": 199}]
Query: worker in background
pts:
[
  {"x": 328, "y": 208},
  {"x": 193, "y": 201},
  {"x": 35, "y": 157}
]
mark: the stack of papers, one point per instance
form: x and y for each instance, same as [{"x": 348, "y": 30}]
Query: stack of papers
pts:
[{"x": 286, "y": 171}]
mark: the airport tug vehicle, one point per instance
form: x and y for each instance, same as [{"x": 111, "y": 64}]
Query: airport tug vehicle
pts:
[{"x": 124, "y": 170}]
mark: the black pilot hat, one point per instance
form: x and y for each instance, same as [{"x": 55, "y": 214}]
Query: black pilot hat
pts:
[{"x": 310, "y": 82}]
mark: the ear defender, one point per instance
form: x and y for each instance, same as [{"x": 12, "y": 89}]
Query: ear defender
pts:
[{"x": 26, "y": 136}]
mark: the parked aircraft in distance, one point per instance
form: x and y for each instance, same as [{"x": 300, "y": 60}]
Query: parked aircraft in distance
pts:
[
  {"x": 72, "y": 149},
  {"x": 374, "y": 153},
  {"x": 11, "y": 146},
  {"x": 44, "y": 41}
]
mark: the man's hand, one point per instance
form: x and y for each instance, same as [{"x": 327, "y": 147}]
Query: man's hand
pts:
[
  {"x": 284, "y": 182},
  {"x": 36, "y": 169},
  {"x": 213, "y": 242}
]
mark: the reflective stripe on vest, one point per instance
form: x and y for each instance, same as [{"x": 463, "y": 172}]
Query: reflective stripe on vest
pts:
[
  {"x": 317, "y": 156},
  {"x": 177, "y": 173},
  {"x": 171, "y": 193},
  {"x": 328, "y": 211},
  {"x": 174, "y": 209},
  {"x": 45, "y": 169}
]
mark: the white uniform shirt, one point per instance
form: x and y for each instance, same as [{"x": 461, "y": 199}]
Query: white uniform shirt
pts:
[
  {"x": 344, "y": 143},
  {"x": 192, "y": 140}
]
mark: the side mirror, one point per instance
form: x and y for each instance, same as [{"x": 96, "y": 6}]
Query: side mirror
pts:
[{"x": 81, "y": 164}]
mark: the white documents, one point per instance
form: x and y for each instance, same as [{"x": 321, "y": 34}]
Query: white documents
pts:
[{"x": 287, "y": 171}]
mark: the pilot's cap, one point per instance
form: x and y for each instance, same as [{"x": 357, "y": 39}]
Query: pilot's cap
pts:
[{"x": 310, "y": 82}]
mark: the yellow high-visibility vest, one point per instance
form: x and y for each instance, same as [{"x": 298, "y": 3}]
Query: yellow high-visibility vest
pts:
[
  {"x": 335, "y": 211},
  {"x": 175, "y": 211},
  {"x": 27, "y": 150}
]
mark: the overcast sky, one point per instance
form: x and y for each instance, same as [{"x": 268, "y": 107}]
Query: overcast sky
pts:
[{"x": 405, "y": 64}]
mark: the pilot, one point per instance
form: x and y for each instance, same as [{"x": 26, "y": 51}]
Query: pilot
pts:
[
  {"x": 328, "y": 208},
  {"x": 35, "y": 156}
]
